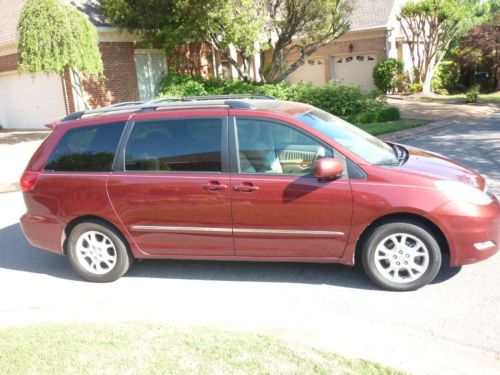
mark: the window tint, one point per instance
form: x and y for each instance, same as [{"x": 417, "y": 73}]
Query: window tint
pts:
[
  {"x": 187, "y": 145},
  {"x": 269, "y": 147},
  {"x": 86, "y": 149}
]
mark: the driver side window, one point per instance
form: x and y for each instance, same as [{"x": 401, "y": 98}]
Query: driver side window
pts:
[{"x": 270, "y": 147}]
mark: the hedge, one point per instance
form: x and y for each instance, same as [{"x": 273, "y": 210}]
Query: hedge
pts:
[{"x": 346, "y": 101}]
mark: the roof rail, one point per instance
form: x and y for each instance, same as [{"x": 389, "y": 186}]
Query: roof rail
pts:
[{"x": 189, "y": 101}]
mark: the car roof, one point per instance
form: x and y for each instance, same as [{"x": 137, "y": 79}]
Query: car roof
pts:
[{"x": 281, "y": 107}]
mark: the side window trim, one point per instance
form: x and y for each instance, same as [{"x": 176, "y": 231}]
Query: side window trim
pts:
[
  {"x": 234, "y": 144},
  {"x": 225, "y": 162}
]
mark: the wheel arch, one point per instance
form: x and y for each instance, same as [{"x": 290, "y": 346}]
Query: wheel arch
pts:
[
  {"x": 399, "y": 216},
  {"x": 91, "y": 218}
]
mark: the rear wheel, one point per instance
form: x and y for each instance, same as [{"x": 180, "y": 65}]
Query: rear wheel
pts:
[
  {"x": 401, "y": 256},
  {"x": 97, "y": 252}
]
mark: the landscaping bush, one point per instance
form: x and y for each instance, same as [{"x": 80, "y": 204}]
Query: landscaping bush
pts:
[
  {"x": 472, "y": 94},
  {"x": 387, "y": 75},
  {"x": 415, "y": 87},
  {"x": 346, "y": 101},
  {"x": 388, "y": 114},
  {"x": 446, "y": 77}
]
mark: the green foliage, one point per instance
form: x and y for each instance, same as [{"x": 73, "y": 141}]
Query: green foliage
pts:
[
  {"x": 472, "y": 94},
  {"x": 346, "y": 101},
  {"x": 446, "y": 77},
  {"x": 415, "y": 87},
  {"x": 54, "y": 37},
  {"x": 288, "y": 30},
  {"x": 387, "y": 74}
]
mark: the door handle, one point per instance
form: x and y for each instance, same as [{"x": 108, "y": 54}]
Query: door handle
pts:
[
  {"x": 245, "y": 188},
  {"x": 214, "y": 186}
]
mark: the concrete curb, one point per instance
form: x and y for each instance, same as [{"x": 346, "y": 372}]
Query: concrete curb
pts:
[
  {"x": 419, "y": 130},
  {"x": 9, "y": 188}
]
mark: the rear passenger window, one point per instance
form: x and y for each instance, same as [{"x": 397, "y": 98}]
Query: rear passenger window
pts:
[
  {"x": 86, "y": 149},
  {"x": 187, "y": 145}
]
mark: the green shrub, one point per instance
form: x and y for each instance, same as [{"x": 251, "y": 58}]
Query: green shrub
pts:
[
  {"x": 472, "y": 94},
  {"x": 346, "y": 101},
  {"x": 388, "y": 114},
  {"x": 446, "y": 77},
  {"x": 415, "y": 87},
  {"x": 441, "y": 92},
  {"x": 387, "y": 74}
]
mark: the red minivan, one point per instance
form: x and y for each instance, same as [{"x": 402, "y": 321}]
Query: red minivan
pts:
[{"x": 250, "y": 178}]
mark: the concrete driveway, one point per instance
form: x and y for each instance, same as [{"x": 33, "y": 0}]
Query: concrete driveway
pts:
[{"x": 451, "y": 326}]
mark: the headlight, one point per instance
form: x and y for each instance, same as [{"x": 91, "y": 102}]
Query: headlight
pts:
[{"x": 460, "y": 192}]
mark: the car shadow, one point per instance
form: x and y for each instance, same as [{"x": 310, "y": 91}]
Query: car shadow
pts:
[{"x": 17, "y": 254}]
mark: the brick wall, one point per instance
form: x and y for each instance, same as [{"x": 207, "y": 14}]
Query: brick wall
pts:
[
  {"x": 120, "y": 81},
  {"x": 192, "y": 59},
  {"x": 8, "y": 63}
]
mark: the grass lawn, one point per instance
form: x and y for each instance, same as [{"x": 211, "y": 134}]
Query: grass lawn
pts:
[
  {"x": 483, "y": 98},
  {"x": 377, "y": 128},
  {"x": 156, "y": 349}
]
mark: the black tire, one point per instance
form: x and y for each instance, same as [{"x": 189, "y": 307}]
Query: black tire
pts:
[
  {"x": 416, "y": 230},
  {"x": 123, "y": 258}
]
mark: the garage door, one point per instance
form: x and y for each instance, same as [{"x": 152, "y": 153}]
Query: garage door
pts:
[
  {"x": 30, "y": 101},
  {"x": 356, "y": 69},
  {"x": 312, "y": 71}
]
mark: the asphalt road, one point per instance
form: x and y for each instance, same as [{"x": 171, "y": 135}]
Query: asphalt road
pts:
[{"x": 451, "y": 326}]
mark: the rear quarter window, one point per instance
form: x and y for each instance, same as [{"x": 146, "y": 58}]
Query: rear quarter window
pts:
[{"x": 86, "y": 149}]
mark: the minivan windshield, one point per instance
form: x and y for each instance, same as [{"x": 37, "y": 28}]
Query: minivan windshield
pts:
[{"x": 371, "y": 149}]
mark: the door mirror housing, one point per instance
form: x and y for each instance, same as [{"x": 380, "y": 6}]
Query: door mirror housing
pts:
[{"x": 328, "y": 168}]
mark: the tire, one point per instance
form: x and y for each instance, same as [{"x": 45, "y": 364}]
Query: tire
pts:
[
  {"x": 98, "y": 252},
  {"x": 401, "y": 256}
]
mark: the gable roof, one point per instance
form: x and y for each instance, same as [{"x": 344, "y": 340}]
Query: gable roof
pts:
[
  {"x": 370, "y": 14},
  {"x": 366, "y": 14},
  {"x": 11, "y": 10}
]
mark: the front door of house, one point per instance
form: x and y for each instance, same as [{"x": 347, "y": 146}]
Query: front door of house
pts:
[{"x": 150, "y": 67}]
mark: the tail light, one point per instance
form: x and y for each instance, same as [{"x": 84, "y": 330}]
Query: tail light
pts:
[{"x": 29, "y": 180}]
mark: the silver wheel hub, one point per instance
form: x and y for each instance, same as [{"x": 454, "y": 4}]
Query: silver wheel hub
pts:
[
  {"x": 401, "y": 258},
  {"x": 96, "y": 253}
]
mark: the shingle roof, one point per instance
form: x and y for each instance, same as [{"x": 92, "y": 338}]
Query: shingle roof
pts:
[
  {"x": 11, "y": 10},
  {"x": 370, "y": 14},
  {"x": 366, "y": 14}
]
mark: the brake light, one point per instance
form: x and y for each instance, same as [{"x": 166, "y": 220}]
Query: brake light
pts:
[{"x": 29, "y": 180}]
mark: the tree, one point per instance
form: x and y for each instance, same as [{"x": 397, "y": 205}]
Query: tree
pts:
[
  {"x": 55, "y": 38},
  {"x": 480, "y": 49},
  {"x": 282, "y": 32},
  {"x": 429, "y": 26}
]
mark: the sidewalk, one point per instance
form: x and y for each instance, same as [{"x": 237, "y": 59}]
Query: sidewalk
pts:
[
  {"x": 16, "y": 148},
  {"x": 441, "y": 111}
]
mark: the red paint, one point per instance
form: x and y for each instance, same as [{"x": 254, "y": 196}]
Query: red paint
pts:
[{"x": 253, "y": 201}]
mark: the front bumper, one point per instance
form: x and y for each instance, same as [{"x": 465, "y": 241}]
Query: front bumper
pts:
[{"x": 473, "y": 232}]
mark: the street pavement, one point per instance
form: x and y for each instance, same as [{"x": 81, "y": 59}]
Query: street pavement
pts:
[{"x": 449, "y": 327}]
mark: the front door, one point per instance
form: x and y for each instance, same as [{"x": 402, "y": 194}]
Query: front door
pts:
[
  {"x": 173, "y": 193},
  {"x": 279, "y": 208}
]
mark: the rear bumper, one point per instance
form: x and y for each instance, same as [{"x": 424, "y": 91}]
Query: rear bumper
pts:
[
  {"x": 473, "y": 232},
  {"x": 44, "y": 232}
]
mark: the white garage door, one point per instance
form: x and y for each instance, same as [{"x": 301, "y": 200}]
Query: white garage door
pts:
[
  {"x": 312, "y": 71},
  {"x": 28, "y": 101},
  {"x": 356, "y": 69}
]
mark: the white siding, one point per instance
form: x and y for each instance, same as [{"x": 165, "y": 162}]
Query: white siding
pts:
[{"x": 30, "y": 101}]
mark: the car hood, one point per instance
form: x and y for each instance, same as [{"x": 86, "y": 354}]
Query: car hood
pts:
[{"x": 439, "y": 167}]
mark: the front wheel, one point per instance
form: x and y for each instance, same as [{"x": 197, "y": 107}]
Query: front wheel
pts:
[
  {"x": 401, "y": 256},
  {"x": 97, "y": 252}
]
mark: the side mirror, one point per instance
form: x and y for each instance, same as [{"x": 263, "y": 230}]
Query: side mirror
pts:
[{"x": 328, "y": 168}]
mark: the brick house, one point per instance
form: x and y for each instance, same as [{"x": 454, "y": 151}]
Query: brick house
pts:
[
  {"x": 132, "y": 72},
  {"x": 373, "y": 36}
]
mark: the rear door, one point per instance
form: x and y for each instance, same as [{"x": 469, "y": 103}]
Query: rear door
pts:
[
  {"x": 171, "y": 189},
  {"x": 280, "y": 209}
]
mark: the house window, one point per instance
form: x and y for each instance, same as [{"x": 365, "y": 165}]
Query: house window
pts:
[
  {"x": 360, "y": 58},
  {"x": 150, "y": 67},
  {"x": 348, "y": 59},
  {"x": 370, "y": 58}
]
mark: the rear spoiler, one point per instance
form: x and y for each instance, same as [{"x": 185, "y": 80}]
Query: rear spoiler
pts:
[{"x": 51, "y": 125}]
